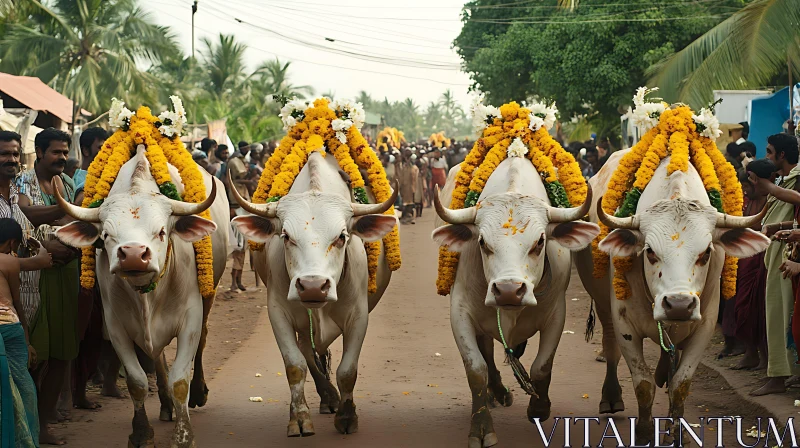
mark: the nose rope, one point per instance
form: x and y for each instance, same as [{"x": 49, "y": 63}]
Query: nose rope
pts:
[
  {"x": 324, "y": 367},
  {"x": 520, "y": 373},
  {"x": 152, "y": 285}
]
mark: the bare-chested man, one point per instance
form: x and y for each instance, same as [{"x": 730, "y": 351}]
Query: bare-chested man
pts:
[{"x": 19, "y": 420}]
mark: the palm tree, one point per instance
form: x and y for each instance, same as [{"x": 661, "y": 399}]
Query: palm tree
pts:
[
  {"x": 223, "y": 61},
  {"x": 274, "y": 76},
  {"x": 88, "y": 50},
  {"x": 748, "y": 49},
  {"x": 365, "y": 99}
]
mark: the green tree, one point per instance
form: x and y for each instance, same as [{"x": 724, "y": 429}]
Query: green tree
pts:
[
  {"x": 588, "y": 59},
  {"x": 749, "y": 49},
  {"x": 89, "y": 50}
]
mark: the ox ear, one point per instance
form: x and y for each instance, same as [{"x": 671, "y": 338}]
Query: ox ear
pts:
[
  {"x": 372, "y": 227},
  {"x": 455, "y": 236},
  {"x": 622, "y": 243},
  {"x": 256, "y": 228},
  {"x": 741, "y": 243},
  {"x": 193, "y": 228},
  {"x": 573, "y": 235},
  {"x": 78, "y": 234}
]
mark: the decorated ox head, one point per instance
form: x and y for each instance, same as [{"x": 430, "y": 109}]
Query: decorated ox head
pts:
[
  {"x": 135, "y": 224},
  {"x": 315, "y": 229},
  {"x": 679, "y": 238},
  {"x": 512, "y": 230}
]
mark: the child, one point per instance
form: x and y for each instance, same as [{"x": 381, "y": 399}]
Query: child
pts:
[{"x": 19, "y": 421}]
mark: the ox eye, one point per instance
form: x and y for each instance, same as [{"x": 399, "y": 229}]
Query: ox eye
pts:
[
  {"x": 340, "y": 241},
  {"x": 537, "y": 248},
  {"x": 104, "y": 236},
  {"x": 704, "y": 257},
  {"x": 651, "y": 256},
  {"x": 484, "y": 247},
  {"x": 161, "y": 234}
]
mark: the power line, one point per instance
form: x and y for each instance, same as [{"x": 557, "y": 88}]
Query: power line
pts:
[
  {"x": 329, "y": 38},
  {"x": 363, "y": 56}
]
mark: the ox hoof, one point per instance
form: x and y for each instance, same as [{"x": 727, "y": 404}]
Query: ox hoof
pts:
[
  {"x": 346, "y": 420},
  {"x": 165, "y": 415},
  {"x": 198, "y": 395},
  {"x": 329, "y": 401},
  {"x": 611, "y": 407},
  {"x": 488, "y": 440},
  {"x": 502, "y": 396},
  {"x": 146, "y": 444},
  {"x": 538, "y": 408},
  {"x": 301, "y": 426}
]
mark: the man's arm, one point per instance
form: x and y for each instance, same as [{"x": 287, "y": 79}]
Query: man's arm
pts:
[
  {"x": 42, "y": 259},
  {"x": 40, "y": 214}
]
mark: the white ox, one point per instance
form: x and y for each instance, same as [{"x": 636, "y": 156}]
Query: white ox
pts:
[
  {"x": 137, "y": 226},
  {"x": 679, "y": 242},
  {"x": 315, "y": 267},
  {"x": 515, "y": 259}
]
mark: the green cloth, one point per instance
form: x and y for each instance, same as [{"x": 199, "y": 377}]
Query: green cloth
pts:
[
  {"x": 54, "y": 330},
  {"x": 779, "y": 294},
  {"x": 17, "y": 390}
]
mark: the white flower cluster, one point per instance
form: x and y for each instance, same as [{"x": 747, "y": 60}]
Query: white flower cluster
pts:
[
  {"x": 482, "y": 115},
  {"x": 707, "y": 124},
  {"x": 645, "y": 114},
  {"x": 542, "y": 115},
  {"x": 293, "y": 112},
  {"x": 172, "y": 122},
  {"x": 517, "y": 148},
  {"x": 119, "y": 116},
  {"x": 350, "y": 114}
]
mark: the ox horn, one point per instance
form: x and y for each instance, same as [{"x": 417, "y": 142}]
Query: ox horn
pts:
[
  {"x": 268, "y": 211},
  {"x": 180, "y": 208},
  {"x": 464, "y": 216},
  {"x": 557, "y": 215},
  {"x": 613, "y": 222},
  {"x": 725, "y": 221},
  {"x": 79, "y": 213},
  {"x": 376, "y": 209}
]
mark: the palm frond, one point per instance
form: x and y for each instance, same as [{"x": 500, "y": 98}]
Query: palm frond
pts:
[{"x": 745, "y": 50}]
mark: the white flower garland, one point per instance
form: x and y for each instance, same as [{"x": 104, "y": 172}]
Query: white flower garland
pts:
[
  {"x": 173, "y": 122},
  {"x": 707, "y": 124},
  {"x": 119, "y": 116},
  {"x": 482, "y": 115},
  {"x": 351, "y": 111},
  {"x": 542, "y": 115},
  {"x": 645, "y": 115},
  {"x": 293, "y": 112},
  {"x": 517, "y": 148}
]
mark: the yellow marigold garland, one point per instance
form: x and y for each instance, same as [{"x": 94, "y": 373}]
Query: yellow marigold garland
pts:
[
  {"x": 314, "y": 133},
  {"x": 677, "y": 128},
  {"x": 159, "y": 151},
  {"x": 548, "y": 157}
]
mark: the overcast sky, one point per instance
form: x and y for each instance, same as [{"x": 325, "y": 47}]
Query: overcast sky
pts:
[{"x": 407, "y": 42}]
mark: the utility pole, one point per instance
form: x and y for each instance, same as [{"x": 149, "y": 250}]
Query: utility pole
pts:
[{"x": 194, "y": 10}]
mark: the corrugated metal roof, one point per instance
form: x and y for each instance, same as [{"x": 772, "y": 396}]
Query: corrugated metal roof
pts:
[{"x": 36, "y": 95}]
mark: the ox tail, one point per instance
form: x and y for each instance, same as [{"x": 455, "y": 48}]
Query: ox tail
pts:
[
  {"x": 590, "y": 322},
  {"x": 148, "y": 338}
]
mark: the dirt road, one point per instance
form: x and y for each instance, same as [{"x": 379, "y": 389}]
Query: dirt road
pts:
[{"x": 411, "y": 390}]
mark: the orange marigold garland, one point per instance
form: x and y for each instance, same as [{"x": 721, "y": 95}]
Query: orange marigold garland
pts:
[
  {"x": 335, "y": 126},
  {"x": 521, "y": 131},
  {"x": 683, "y": 136},
  {"x": 161, "y": 136}
]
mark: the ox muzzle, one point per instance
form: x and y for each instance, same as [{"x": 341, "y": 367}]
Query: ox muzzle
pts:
[
  {"x": 677, "y": 307},
  {"x": 313, "y": 291},
  {"x": 134, "y": 261},
  {"x": 510, "y": 293}
]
